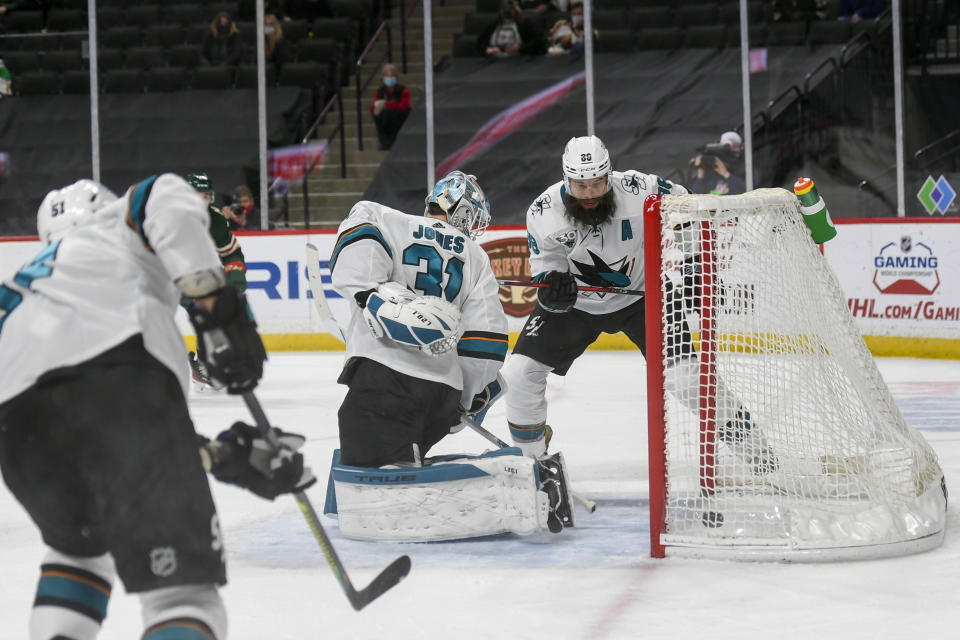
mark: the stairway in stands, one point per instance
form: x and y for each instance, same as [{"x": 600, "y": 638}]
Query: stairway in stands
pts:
[{"x": 330, "y": 196}]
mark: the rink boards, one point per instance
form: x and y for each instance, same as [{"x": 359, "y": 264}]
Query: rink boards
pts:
[{"x": 901, "y": 278}]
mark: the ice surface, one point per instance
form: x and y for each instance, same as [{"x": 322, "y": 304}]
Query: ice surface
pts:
[{"x": 595, "y": 581}]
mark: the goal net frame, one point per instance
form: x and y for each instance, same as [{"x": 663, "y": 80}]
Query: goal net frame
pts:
[{"x": 878, "y": 496}]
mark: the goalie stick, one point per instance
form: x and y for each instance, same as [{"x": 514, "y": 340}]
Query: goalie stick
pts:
[
  {"x": 588, "y": 504},
  {"x": 522, "y": 283},
  {"x": 386, "y": 579},
  {"x": 315, "y": 281}
]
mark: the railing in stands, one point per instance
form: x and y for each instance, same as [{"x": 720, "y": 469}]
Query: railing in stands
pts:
[
  {"x": 361, "y": 84},
  {"x": 945, "y": 147},
  {"x": 335, "y": 99}
]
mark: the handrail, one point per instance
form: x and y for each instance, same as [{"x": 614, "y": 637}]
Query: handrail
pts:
[
  {"x": 806, "y": 79},
  {"x": 336, "y": 98},
  {"x": 384, "y": 26},
  {"x": 791, "y": 89},
  {"x": 923, "y": 150}
]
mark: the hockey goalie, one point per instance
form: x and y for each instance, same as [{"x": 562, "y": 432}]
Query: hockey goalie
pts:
[{"x": 425, "y": 342}]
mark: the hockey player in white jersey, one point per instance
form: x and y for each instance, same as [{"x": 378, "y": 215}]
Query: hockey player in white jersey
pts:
[
  {"x": 425, "y": 342},
  {"x": 588, "y": 230},
  {"x": 95, "y": 438}
]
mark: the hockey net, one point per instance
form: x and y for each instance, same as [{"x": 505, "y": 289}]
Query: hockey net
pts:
[{"x": 772, "y": 434}]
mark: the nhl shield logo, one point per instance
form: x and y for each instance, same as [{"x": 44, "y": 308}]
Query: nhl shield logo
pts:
[
  {"x": 163, "y": 561},
  {"x": 906, "y": 243}
]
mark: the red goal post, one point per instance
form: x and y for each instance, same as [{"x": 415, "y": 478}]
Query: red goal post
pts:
[{"x": 771, "y": 433}]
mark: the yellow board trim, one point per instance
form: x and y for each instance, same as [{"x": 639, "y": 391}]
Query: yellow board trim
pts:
[{"x": 880, "y": 346}]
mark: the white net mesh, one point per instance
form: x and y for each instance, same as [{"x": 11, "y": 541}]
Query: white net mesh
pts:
[{"x": 780, "y": 433}]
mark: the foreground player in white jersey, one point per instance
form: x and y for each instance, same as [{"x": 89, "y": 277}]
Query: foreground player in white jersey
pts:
[
  {"x": 425, "y": 342},
  {"x": 588, "y": 230},
  {"x": 95, "y": 438}
]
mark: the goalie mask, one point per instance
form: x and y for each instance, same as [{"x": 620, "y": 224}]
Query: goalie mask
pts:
[
  {"x": 585, "y": 162},
  {"x": 460, "y": 197},
  {"x": 71, "y": 206}
]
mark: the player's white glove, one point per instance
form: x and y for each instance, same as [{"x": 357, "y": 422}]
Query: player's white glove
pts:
[{"x": 422, "y": 322}]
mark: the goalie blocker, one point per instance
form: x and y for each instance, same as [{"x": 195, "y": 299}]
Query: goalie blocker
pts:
[{"x": 451, "y": 498}]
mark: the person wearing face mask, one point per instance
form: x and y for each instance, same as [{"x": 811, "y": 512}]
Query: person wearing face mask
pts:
[
  {"x": 277, "y": 50},
  {"x": 390, "y": 108},
  {"x": 221, "y": 44},
  {"x": 566, "y": 36}
]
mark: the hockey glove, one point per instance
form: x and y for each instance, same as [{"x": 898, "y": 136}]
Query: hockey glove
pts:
[
  {"x": 482, "y": 401},
  {"x": 427, "y": 323},
  {"x": 241, "y": 456},
  {"x": 228, "y": 342},
  {"x": 561, "y": 293}
]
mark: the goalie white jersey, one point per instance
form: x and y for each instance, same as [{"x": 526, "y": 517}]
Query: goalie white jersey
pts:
[
  {"x": 377, "y": 244},
  {"x": 104, "y": 282},
  {"x": 608, "y": 255}
]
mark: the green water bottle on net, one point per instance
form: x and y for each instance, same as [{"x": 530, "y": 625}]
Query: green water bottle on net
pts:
[{"x": 815, "y": 214}]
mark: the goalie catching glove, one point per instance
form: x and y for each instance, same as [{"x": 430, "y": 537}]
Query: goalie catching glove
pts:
[
  {"x": 242, "y": 456},
  {"x": 426, "y": 323},
  {"x": 228, "y": 342}
]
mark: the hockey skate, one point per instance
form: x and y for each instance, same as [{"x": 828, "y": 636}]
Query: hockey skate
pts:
[
  {"x": 202, "y": 381},
  {"x": 553, "y": 481},
  {"x": 748, "y": 443}
]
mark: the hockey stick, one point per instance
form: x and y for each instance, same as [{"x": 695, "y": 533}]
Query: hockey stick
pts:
[
  {"x": 387, "y": 578},
  {"x": 521, "y": 283},
  {"x": 315, "y": 281},
  {"x": 587, "y": 503}
]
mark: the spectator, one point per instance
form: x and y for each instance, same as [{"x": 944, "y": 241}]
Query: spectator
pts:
[
  {"x": 719, "y": 168},
  {"x": 390, "y": 108},
  {"x": 793, "y": 10},
  {"x": 243, "y": 213},
  {"x": 566, "y": 36},
  {"x": 857, "y": 10},
  {"x": 545, "y": 5},
  {"x": 221, "y": 44},
  {"x": 278, "y": 51},
  {"x": 511, "y": 35}
]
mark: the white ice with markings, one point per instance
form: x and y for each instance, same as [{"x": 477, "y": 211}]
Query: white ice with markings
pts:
[{"x": 595, "y": 581}]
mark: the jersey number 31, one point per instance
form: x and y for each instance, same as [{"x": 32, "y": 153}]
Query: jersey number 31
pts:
[{"x": 430, "y": 282}]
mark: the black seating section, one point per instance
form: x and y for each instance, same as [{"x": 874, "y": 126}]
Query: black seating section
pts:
[
  {"x": 32, "y": 83},
  {"x": 214, "y": 78},
  {"x": 628, "y": 25},
  {"x": 246, "y": 76},
  {"x": 122, "y": 81}
]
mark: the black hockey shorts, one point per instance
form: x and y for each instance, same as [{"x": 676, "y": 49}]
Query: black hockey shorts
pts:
[
  {"x": 385, "y": 412},
  {"x": 104, "y": 458}
]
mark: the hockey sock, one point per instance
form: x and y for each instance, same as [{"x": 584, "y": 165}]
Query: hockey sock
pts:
[
  {"x": 189, "y": 612},
  {"x": 72, "y": 597}
]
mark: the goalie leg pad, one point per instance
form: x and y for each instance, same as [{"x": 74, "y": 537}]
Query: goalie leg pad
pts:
[{"x": 451, "y": 499}]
